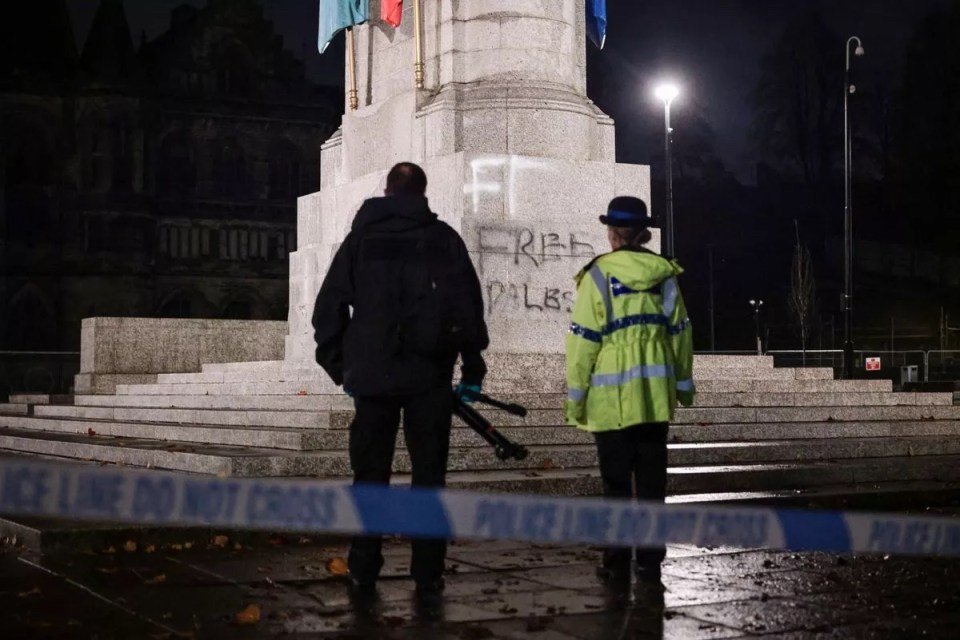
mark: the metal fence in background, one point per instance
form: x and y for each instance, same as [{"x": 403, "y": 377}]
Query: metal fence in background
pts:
[{"x": 37, "y": 371}]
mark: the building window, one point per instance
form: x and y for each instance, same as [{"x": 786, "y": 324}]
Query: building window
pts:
[
  {"x": 178, "y": 173},
  {"x": 230, "y": 172}
]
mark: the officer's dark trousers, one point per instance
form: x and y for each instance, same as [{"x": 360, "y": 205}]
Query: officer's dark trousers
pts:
[
  {"x": 636, "y": 454},
  {"x": 373, "y": 436}
]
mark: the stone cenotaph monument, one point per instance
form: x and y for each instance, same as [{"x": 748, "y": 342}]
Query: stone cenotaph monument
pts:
[{"x": 519, "y": 160}]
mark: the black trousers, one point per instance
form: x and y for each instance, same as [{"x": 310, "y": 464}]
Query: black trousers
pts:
[
  {"x": 636, "y": 454},
  {"x": 427, "y": 419}
]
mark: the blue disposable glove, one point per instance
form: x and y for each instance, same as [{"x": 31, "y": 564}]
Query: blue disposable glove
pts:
[{"x": 463, "y": 397}]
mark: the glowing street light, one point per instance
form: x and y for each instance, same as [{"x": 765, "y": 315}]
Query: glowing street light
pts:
[
  {"x": 757, "y": 305},
  {"x": 848, "y": 90},
  {"x": 667, "y": 92}
]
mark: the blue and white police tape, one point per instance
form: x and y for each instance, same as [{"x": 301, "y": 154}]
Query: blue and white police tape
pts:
[{"x": 144, "y": 497}]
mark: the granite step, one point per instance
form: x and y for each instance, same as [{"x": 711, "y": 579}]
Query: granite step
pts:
[
  {"x": 40, "y": 398},
  {"x": 236, "y": 436},
  {"x": 793, "y": 386},
  {"x": 232, "y": 417},
  {"x": 214, "y": 383},
  {"x": 828, "y": 399},
  {"x": 531, "y": 401},
  {"x": 271, "y": 437},
  {"x": 341, "y": 419},
  {"x": 703, "y": 482},
  {"x": 254, "y": 461},
  {"x": 14, "y": 408},
  {"x": 757, "y": 432}
]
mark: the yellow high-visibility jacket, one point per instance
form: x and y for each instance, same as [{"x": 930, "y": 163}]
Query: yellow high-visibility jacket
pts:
[{"x": 630, "y": 346}]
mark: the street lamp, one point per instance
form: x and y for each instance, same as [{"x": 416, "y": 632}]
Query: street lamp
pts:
[
  {"x": 757, "y": 304},
  {"x": 848, "y": 89},
  {"x": 667, "y": 92}
]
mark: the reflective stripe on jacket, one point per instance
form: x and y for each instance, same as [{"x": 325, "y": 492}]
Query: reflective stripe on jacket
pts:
[{"x": 630, "y": 346}]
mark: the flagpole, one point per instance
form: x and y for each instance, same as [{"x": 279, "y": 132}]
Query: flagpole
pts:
[
  {"x": 418, "y": 43},
  {"x": 352, "y": 68}
]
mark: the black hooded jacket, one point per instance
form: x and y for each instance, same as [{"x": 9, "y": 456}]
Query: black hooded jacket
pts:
[{"x": 401, "y": 300}]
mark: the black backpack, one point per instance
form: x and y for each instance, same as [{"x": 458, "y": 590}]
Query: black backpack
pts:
[{"x": 422, "y": 283}]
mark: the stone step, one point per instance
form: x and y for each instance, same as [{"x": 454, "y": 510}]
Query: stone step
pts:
[
  {"x": 829, "y": 399},
  {"x": 271, "y": 437},
  {"x": 40, "y": 398},
  {"x": 341, "y": 418},
  {"x": 229, "y": 389},
  {"x": 531, "y": 401},
  {"x": 244, "y": 461},
  {"x": 711, "y": 360},
  {"x": 494, "y": 384},
  {"x": 236, "y": 436},
  {"x": 728, "y": 373},
  {"x": 14, "y": 408},
  {"x": 757, "y": 432},
  {"x": 232, "y": 417},
  {"x": 731, "y": 478},
  {"x": 266, "y": 403},
  {"x": 767, "y": 415},
  {"x": 793, "y": 386}
]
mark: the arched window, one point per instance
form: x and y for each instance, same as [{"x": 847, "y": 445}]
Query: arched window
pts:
[
  {"x": 230, "y": 172},
  {"x": 285, "y": 171},
  {"x": 122, "y": 156},
  {"x": 98, "y": 166},
  {"x": 178, "y": 169}
]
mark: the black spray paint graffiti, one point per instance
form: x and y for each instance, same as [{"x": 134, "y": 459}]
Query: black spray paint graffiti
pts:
[
  {"x": 526, "y": 246},
  {"x": 527, "y": 298}
]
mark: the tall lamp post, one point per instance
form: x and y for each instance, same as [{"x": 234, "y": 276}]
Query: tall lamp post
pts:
[
  {"x": 848, "y": 89},
  {"x": 757, "y": 305},
  {"x": 667, "y": 92}
]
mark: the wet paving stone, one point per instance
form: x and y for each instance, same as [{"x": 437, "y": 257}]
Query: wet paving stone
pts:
[{"x": 501, "y": 590}]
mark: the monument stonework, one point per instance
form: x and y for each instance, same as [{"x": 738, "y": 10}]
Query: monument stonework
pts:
[{"x": 519, "y": 160}]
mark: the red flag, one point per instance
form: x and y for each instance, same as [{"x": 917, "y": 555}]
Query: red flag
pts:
[{"x": 391, "y": 11}]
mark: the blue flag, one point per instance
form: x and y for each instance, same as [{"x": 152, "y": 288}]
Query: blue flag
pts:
[
  {"x": 337, "y": 15},
  {"x": 597, "y": 22}
]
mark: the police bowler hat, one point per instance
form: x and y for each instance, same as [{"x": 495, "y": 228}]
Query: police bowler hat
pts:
[{"x": 627, "y": 211}]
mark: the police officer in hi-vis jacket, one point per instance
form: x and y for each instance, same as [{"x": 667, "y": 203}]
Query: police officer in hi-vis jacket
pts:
[{"x": 629, "y": 362}]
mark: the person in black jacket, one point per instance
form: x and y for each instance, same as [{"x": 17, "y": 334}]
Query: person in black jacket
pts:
[{"x": 400, "y": 302}]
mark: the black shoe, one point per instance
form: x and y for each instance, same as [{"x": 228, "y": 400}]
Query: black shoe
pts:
[
  {"x": 619, "y": 578},
  {"x": 362, "y": 591},
  {"x": 650, "y": 580},
  {"x": 429, "y": 598}
]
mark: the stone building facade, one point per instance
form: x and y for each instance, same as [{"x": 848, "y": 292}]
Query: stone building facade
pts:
[{"x": 151, "y": 180}]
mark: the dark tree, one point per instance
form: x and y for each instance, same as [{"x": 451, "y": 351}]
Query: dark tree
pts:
[{"x": 798, "y": 102}]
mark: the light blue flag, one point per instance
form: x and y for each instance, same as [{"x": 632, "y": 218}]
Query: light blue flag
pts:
[
  {"x": 337, "y": 15},
  {"x": 597, "y": 22}
]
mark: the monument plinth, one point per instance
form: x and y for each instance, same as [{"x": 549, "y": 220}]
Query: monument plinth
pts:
[{"x": 518, "y": 158}]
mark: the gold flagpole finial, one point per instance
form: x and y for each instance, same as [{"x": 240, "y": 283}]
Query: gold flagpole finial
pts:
[
  {"x": 418, "y": 43},
  {"x": 352, "y": 69}
]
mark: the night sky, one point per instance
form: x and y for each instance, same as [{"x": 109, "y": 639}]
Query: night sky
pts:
[{"x": 713, "y": 47}]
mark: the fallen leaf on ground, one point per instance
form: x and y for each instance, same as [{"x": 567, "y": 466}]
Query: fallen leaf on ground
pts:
[
  {"x": 302, "y": 392},
  {"x": 220, "y": 541},
  {"x": 26, "y": 594},
  {"x": 130, "y": 546},
  {"x": 249, "y": 615},
  {"x": 547, "y": 464},
  {"x": 150, "y": 548},
  {"x": 337, "y": 567},
  {"x": 237, "y": 547},
  {"x": 160, "y": 578},
  {"x": 91, "y": 432}
]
